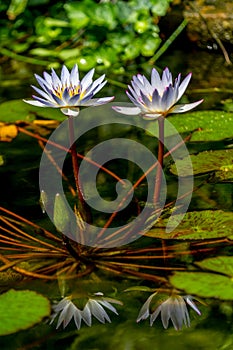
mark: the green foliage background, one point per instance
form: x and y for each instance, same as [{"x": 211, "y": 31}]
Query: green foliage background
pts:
[{"x": 102, "y": 34}]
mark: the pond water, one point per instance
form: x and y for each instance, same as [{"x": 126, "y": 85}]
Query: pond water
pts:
[{"x": 129, "y": 274}]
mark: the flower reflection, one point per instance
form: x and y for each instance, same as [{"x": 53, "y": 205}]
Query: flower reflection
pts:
[
  {"x": 174, "y": 308},
  {"x": 67, "y": 309},
  {"x": 157, "y": 97},
  {"x": 68, "y": 92}
]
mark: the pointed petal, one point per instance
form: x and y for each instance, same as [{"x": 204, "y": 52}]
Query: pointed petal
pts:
[
  {"x": 56, "y": 81},
  {"x": 185, "y": 107},
  {"x": 65, "y": 76},
  {"x": 42, "y": 93},
  {"x": 144, "y": 311},
  {"x": 77, "y": 318},
  {"x": 154, "y": 315},
  {"x": 86, "y": 315},
  {"x": 98, "y": 311},
  {"x": 127, "y": 110},
  {"x": 74, "y": 76},
  {"x": 191, "y": 303},
  {"x": 87, "y": 79},
  {"x": 155, "y": 78},
  {"x": 183, "y": 85},
  {"x": 35, "y": 103},
  {"x": 97, "y": 101},
  {"x": 108, "y": 306}
]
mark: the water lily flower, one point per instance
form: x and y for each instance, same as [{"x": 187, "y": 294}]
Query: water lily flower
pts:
[
  {"x": 68, "y": 92},
  {"x": 158, "y": 97},
  {"x": 173, "y": 308},
  {"x": 93, "y": 307}
]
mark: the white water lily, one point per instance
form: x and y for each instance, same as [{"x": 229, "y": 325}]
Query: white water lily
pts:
[
  {"x": 173, "y": 308},
  {"x": 157, "y": 97},
  {"x": 66, "y": 309},
  {"x": 68, "y": 92}
]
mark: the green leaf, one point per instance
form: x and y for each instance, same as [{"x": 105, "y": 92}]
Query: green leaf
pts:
[
  {"x": 220, "y": 264},
  {"x": 211, "y": 125},
  {"x": 203, "y": 284},
  {"x": 21, "y": 310},
  {"x": 196, "y": 225},
  {"x": 15, "y": 110},
  {"x": 220, "y": 161}
]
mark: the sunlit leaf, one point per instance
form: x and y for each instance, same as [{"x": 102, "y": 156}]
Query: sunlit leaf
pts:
[
  {"x": 21, "y": 310},
  {"x": 16, "y": 8},
  {"x": 211, "y": 125},
  {"x": 220, "y": 161},
  {"x": 197, "y": 225},
  {"x": 220, "y": 264},
  {"x": 204, "y": 284},
  {"x": 7, "y": 132},
  {"x": 18, "y": 110}
]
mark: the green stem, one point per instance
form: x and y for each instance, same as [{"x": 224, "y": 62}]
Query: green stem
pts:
[
  {"x": 159, "y": 173},
  {"x": 168, "y": 42}
]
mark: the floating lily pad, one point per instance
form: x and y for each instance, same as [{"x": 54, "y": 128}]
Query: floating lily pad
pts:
[
  {"x": 211, "y": 125},
  {"x": 196, "y": 225},
  {"x": 204, "y": 284},
  {"x": 21, "y": 310},
  {"x": 220, "y": 161},
  {"x": 17, "y": 110},
  {"x": 220, "y": 264}
]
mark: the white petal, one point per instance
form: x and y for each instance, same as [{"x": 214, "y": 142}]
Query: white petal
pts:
[
  {"x": 87, "y": 80},
  {"x": 185, "y": 107},
  {"x": 70, "y": 112},
  {"x": 149, "y": 116},
  {"x": 96, "y": 101},
  {"x": 65, "y": 76},
  {"x": 74, "y": 76},
  {"x": 108, "y": 305},
  {"x": 191, "y": 303},
  {"x": 144, "y": 311},
  {"x": 86, "y": 315},
  {"x": 98, "y": 311},
  {"x": 35, "y": 103},
  {"x": 183, "y": 85},
  {"x": 127, "y": 110},
  {"x": 154, "y": 315}
]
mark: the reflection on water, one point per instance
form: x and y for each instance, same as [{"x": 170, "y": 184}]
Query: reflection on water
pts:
[{"x": 125, "y": 277}]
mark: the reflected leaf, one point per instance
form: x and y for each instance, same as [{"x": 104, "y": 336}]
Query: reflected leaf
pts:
[
  {"x": 220, "y": 161},
  {"x": 220, "y": 264},
  {"x": 21, "y": 310},
  {"x": 204, "y": 284},
  {"x": 196, "y": 225}
]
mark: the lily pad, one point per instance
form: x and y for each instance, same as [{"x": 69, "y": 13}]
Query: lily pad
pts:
[
  {"x": 18, "y": 110},
  {"x": 21, "y": 310},
  {"x": 220, "y": 161},
  {"x": 197, "y": 225},
  {"x": 220, "y": 264},
  {"x": 210, "y": 125},
  {"x": 204, "y": 284}
]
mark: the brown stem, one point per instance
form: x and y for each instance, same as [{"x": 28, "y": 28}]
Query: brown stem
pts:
[{"x": 158, "y": 179}]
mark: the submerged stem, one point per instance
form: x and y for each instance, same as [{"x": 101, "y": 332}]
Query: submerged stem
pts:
[{"x": 84, "y": 209}]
